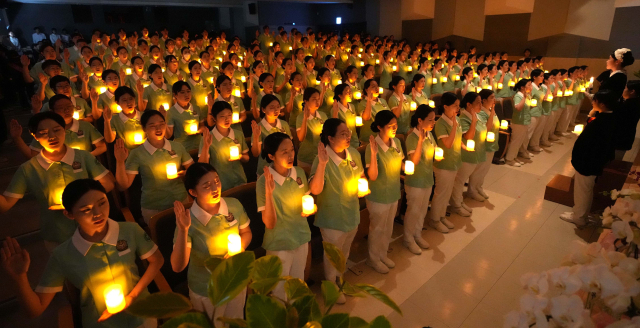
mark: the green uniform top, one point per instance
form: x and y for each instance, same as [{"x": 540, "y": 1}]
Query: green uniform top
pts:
[
  {"x": 208, "y": 236},
  {"x": 46, "y": 180},
  {"x": 186, "y": 123},
  {"x": 266, "y": 41},
  {"x": 420, "y": 98},
  {"x": 404, "y": 120},
  {"x": 291, "y": 228},
  {"x": 199, "y": 92},
  {"x": 81, "y": 107},
  {"x": 81, "y": 135},
  {"x": 379, "y": 105},
  {"x": 572, "y": 99},
  {"x": 348, "y": 115},
  {"x": 237, "y": 107},
  {"x": 327, "y": 102},
  {"x": 157, "y": 96},
  {"x": 546, "y": 105},
  {"x": 452, "y": 156},
  {"x": 386, "y": 75},
  {"x": 428, "y": 82},
  {"x": 555, "y": 104},
  {"x": 506, "y": 90},
  {"x": 491, "y": 127},
  {"x": 95, "y": 83},
  {"x": 37, "y": 69},
  {"x": 107, "y": 100},
  {"x": 183, "y": 65},
  {"x": 309, "y": 146},
  {"x": 128, "y": 128},
  {"x": 338, "y": 203},
  {"x": 436, "y": 88},
  {"x": 93, "y": 267},
  {"x": 536, "y": 93},
  {"x": 219, "y": 154},
  {"x": 386, "y": 188},
  {"x": 265, "y": 130},
  {"x": 311, "y": 79},
  {"x": 171, "y": 78},
  {"x": 210, "y": 75},
  {"x": 562, "y": 102},
  {"x": 158, "y": 191},
  {"x": 522, "y": 117},
  {"x": 422, "y": 176},
  {"x": 296, "y": 109},
  {"x": 451, "y": 80},
  {"x": 117, "y": 65},
  {"x": 479, "y": 154},
  {"x": 132, "y": 80}
]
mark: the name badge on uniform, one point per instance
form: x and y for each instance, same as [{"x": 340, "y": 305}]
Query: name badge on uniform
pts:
[
  {"x": 233, "y": 104},
  {"x": 397, "y": 150},
  {"x": 80, "y": 134},
  {"x": 353, "y": 165},
  {"x": 231, "y": 220},
  {"x": 77, "y": 167},
  {"x": 235, "y": 141},
  {"x": 172, "y": 153},
  {"x": 122, "y": 247},
  {"x": 321, "y": 121},
  {"x": 299, "y": 182}
]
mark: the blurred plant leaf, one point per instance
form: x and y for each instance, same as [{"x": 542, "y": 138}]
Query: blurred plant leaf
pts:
[
  {"x": 381, "y": 296},
  {"x": 330, "y": 293},
  {"x": 212, "y": 262},
  {"x": 296, "y": 288},
  {"x": 357, "y": 322},
  {"x": 336, "y": 320},
  {"x": 160, "y": 305},
  {"x": 380, "y": 322},
  {"x": 197, "y": 319},
  {"x": 308, "y": 309},
  {"x": 230, "y": 277},
  {"x": 335, "y": 256},
  {"x": 265, "y": 312}
]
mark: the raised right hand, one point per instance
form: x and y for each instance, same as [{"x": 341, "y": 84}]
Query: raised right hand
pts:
[
  {"x": 24, "y": 60},
  {"x": 183, "y": 216},
  {"x": 15, "y": 129},
  {"x": 255, "y": 129},
  {"x": 15, "y": 260},
  {"x": 94, "y": 95},
  {"x": 120, "y": 151},
  {"x": 36, "y": 103},
  {"x": 206, "y": 140}
]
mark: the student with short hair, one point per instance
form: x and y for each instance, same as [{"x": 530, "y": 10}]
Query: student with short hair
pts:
[
  {"x": 270, "y": 108},
  {"x": 519, "y": 123},
  {"x": 185, "y": 120},
  {"x": 124, "y": 125}
]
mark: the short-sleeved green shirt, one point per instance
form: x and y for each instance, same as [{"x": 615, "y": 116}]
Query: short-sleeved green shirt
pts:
[
  {"x": 491, "y": 127},
  {"x": 128, "y": 129},
  {"x": 556, "y": 99},
  {"x": 158, "y": 192},
  {"x": 338, "y": 203},
  {"x": 522, "y": 117},
  {"x": 327, "y": 102},
  {"x": 171, "y": 78},
  {"x": 237, "y": 107},
  {"x": 108, "y": 100},
  {"x": 183, "y": 65},
  {"x": 404, "y": 121},
  {"x": 208, "y": 236},
  {"x": 428, "y": 83},
  {"x": 232, "y": 173},
  {"x": 506, "y": 90},
  {"x": 309, "y": 146},
  {"x": 265, "y": 130},
  {"x": 572, "y": 99},
  {"x": 436, "y": 88},
  {"x": 92, "y": 267},
  {"x": 378, "y": 106},
  {"x": 291, "y": 229},
  {"x": 117, "y": 65},
  {"x": 46, "y": 180},
  {"x": 348, "y": 115},
  {"x": 132, "y": 80},
  {"x": 386, "y": 75},
  {"x": 296, "y": 109},
  {"x": 199, "y": 92},
  {"x": 546, "y": 105},
  {"x": 157, "y": 96},
  {"x": 386, "y": 188},
  {"x": 81, "y": 135},
  {"x": 419, "y": 98},
  {"x": 451, "y": 80},
  {"x": 562, "y": 101},
  {"x": 536, "y": 93},
  {"x": 96, "y": 83},
  {"x": 479, "y": 154},
  {"x": 182, "y": 120},
  {"x": 81, "y": 107},
  {"x": 452, "y": 156},
  {"x": 422, "y": 176}
]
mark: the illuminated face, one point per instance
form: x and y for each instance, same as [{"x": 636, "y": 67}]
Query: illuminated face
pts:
[
  {"x": 400, "y": 87},
  {"x": 49, "y": 53},
  {"x": 310, "y": 64},
  {"x": 284, "y": 155},
  {"x": 87, "y": 54},
  {"x": 314, "y": 101},
  {"x": 259, "y": 69},
  {"x": 50, "y": 135},
  {"x": 53, "y": 70},
  {"x": 123, "y": 55},
  {"x": 157, "y": 76},
  {"x": 96, "y": 67},
  {"x": 267, "y": 84},
  {"x": 419, "y": 85},
  {"x": 373, "y": 89},
  {"x": 128, "y": 103},
  {"x": 224, "y": 119},
  {"x": 475, "y": 105},
  {"x": 205, "y": 58},
  {"x": 390, "y": 129},
  {"x": 155, "y": 53},
  {"x": 272, "y": 111},
  {"x": 208, "y": 189},
  {"x": 91, "y": 212},
  {"x": 196, "y": 70},
  {"x": 290, "y": 66},
  {"x": 186, "y": 55},
  {"x": 528, "y": 87},
  {"x": 342, "y": 139},
  {"x": 225, "y": 88},
  {"x": 112, "y": 81},
  {"x": 63, "y": 88},
  {"x": 172, "y": 65},
  {"x": 156, "y": 128},
  {"x": 170, "y": 46},
  {"x": 138, "y": 65},
  {"x": 429, "y": 122},
  {"x": 228, "y": 71},
  {"x": 64, "y": 108},
  {"x": 184, "y": 95},
  {"x": 331, "y": 63},
  {"x": 326, "y": 77}
]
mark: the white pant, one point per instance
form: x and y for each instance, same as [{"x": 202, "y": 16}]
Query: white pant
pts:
[
  {"x": 563, "y": 123},
  {"x": 582, "y": 194},
  {"x": 530, "y": 128},
  {"x": 476, "y": 180},
  {"x": 380, "y": 228},
  {"x": 442, "y": 192},
  {"x": 549, "y": 127},
  {"x": 576, "y": 110},
  {"x": 458, "y": 186},
  {"x": 293, "y": 263},
  {"x": 417, "y": 207},
  {"x": 518, "y": 136},
  {"x": 233, "y": 309},
  {"x": 537, "y": 133},
  {"x": 343, "y": 241}
]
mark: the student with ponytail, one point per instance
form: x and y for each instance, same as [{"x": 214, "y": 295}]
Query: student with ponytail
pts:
[
  {"x": 346, "y": 111},
  {"x": 487, "y": 117},
  {"x": 519, "y": 123},
  {"x": 424, "y": 69},
  {"x": 371, "y": 105},
  {"x": 309, "y": 126},
  {"x": 399, "y": 104},
  {"x": 270, "y": 108},
  {"x": 467, "y": 80},
  {"x": 538, "y": 119},
  {"x": 418, "y": 94}
]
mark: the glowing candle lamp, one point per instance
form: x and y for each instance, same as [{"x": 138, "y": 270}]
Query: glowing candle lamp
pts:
[
  {"x": 457, "y": 77},
  {"x": 234, "y": 244},
  {"x": 234, "y": 153},
  {"x": 359, "y": 55},
  {"x": 360, "y": 49},
  {"x": 172, "y": 171},
  {"x": 549, "y": 98},
  {"x": 414, "y": 105},
  {"x": 512, "y": 83},
  {"x": 118, "y": 109},
  {"x": 578, "y": 128},
  {"x": 395, "y": 68},
  {"x": 478, "y": 89},
  {"x": 439, "y": 154},
  {"x": 434, "y": 80},
  {"x": 363, "y": 187},
  {"x": 206, "y": 100},
  {"x": 559, "y": 94},
  {"x": 57, "y": 198},
  {"x": 567, "y": 93},
  {"x": 391, "y": 60},
  {"x": 199, "y": 60},
  {"x": 432, "y": 103},
  {"x": 224, "y": 52},
  {"x": 145, "y": 84},
  {"x": 357, "y": 95},
  {"x": 290, "y": 48},
  {"x": 361, "y": 63},
  {"x": 308, "y": 206},
  {"x": 270, "y": 44},
  {"x": 500, "y": 85},
  {"x": 377, "y": 61},
  {"x": 235, "y": 117},
  {"x": 546, "y": 71},
  {"x": 408, "y": 167},
  {"x": 504, "y": 124},
  {"x": 236, "y": 92},
  {"x": 76, "y": 115},
  {"x": 380, "y": 90},
  {"x": 219, "y": 59},
  {"x": 210, "y": 79},
  {"x": 409, "y": 68},
  {"x": 534, "y": 103},
  {"x": 193, "y": 128},
  {"x": 488, "y": 87},
  {"x": 114, "y": 298},
  {"x": 339, "y": 82},
  {"x": 444, "y": 79},
  {"x": 103, "y": 89},
  {"x": 491, "y": 137},
  {"x": 243, "y": 79},
  {"x": 137, "y": 138},
  {"x": 475, "y": 74},
  {"x": 163, "y": 70},
  {"x": 239, "y": 64},
  {"x": 128, "y": 71},
  {"x": 471, "y": 145},
  {"x": 165, "y": 106},
  {"x": 583, "y": 89},
  {"x": 358, "y": 120}
]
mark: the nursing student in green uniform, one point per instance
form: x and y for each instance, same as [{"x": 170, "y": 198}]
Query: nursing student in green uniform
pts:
[
  {"x": 202, "y": 232},
  {"x": 46, "y": 175},
  {"x": 61, "y": 85},
  {"x": 161, "y": 186},
  {"x": 385, "y": 70},
  {"x": 555, "y": 104},
  {"x": 157, "y": 94},
  {"x": 138, "y": 74},
  {"x": 282, "y": 84},
  {"x": 216, "y": 146},
  {"x": 383, "y": 158},
  {"x": 368, "y": 73},
  {"x": 309, "y": 126},
  {"x": 294, "y": 98},
  {"x": 346, "y": 111},
  {"x": 506, "y": 78},
  {"x": 520, "y": 121},
  {"x": 100, "y": 253},
  {"x": 199, "y": 86},
  {"x": 224, "y": 89},
  {"x": 449, "y": 135},
  {"x": 266, "y": 82},
  {"x": 309, "y": 73},
  {"x": 562, "y": 102},
  {"x": 450, "y": 74},
  {"x": 185, "y": 121},
  {"x": 351, "y": 80},
  {"x": 124, "y": 125},
  {"x": 482, "y": 80},
  {"x": 172, "y": 73},
  {"x": 334, "y": 181},
  {"x": 487, "y": 117},
  {"x": 369, "y": 108},
  {"x": 400, "y": 105},
  {"x": 539, "y": 93},
  {"x": 279, "y": 193},
  {"x": 185, "y": 58},
  {"x": 424, "y": 70},
  {"x": 326, "y": 90},
  {"x": 122, "y": 62},
  {"x": 257, "y": 68},
  {"x": 270, "y": 108},
  {"x": 105, "y": 101},
  {"x": 418, "y": 94},
  {"x": 547, "y": 108},
  {"x": 473, "y": 129},
  {"x": 95, "y": 71},
  {"x": 436, "y": 77},
  {"x": 421, "y": 146}
]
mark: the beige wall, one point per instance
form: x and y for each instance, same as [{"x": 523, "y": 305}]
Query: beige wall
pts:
[
  {"x": 505, "y": 7},
  {"x": 443, "y": 19},
  {"x": 390, "y": 22},
  {"x": 590, "y": 18},
  {"x": 627, "y": 3},
  {"x": 469, "y": 22},
  {"x": 418, "y": 9},
  {"x": 548, "y": 18}
]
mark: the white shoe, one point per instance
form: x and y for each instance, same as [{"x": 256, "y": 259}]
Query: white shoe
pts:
[
  {"x": 378, "y": 266},
  {"x": 447, "y": 223},
  {"x": 413, "y": 247},
  {"x": 569, "y": 217},
  {"x": 422, "y": 243},
  {"x": 483, "y": 194},
  {"x": 460, "y": 211},
  {"x": 535, "y": 149},
  {"x": 387, "y": 261},
  {"x": 341, "y": 299},
  {"x": 438, "y": 226},
  {"x": 519, "y": 161},
  {"x": 466, "y": 207},
  {"x": 553, "y": 137},
  {"x": 545, "y": 144},
  {"x": 565, "y": 134},
  {"x": 475, "y": 196},
  {"x": 531, "y": 155},
  {"x": 525, "y": 155},
  {"x": 514, "y": 163}
]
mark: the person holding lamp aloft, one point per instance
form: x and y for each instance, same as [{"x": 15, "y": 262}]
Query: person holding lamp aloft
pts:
[
  {"x": 420, "y": 149},
  {"x": 99, "y": 256},
  {"x": 449, "y": 136},
  {"x": 519, "y": 122},
  {"x": 383, "y": 158},
  {"x": 487, "y": 117},
  {"x": 205, "y": 231},
  {"x": 279, "y": 196},
  {"x": 538, "y": 119}
]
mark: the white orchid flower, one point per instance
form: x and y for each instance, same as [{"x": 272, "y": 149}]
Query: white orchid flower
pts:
[
  {"x": 537, "y": 283},
  {"x": 533, "y": 307},
  {"x": 599, "y": 279},
  {"x": 563, "y": 282},
  {"x": 583, "y": 253},
  {"x": 630, "y": 266},
  {"x": 626, "y": 323},
  {"x": 612, "y": 258},
  {"x": 622, "y": 230},
  {"x": 567, "y": 311},
  {"x": 614, "y": 194},
  {"x": 619, "y": 300},
  {"x": 607, "y": 217},
  {"x": 516, "y": 319}
]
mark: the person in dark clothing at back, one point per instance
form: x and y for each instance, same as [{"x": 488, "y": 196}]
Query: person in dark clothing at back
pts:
[
  {"x": 627, "y": 116},
  {"x": 594, "y": 148},
  {"x": 616, "y": 80}
]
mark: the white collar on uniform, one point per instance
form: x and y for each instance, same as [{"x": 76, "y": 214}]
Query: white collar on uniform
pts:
[
  {"x": 614, "y": 72},
  {"x": 222, "y": 99},
  {"x": 151, "y": 149},
  {"x": 520, "y": 93},
  {"x": 180, "y": 109},
  {"x": 383, "y": 146},
  {"x": 467, "y": 113},
  {"x": 268, "y": 126},
  {"x": 124, "y": 117},
  {"x": 128, "y": 63},
  {"x": 136, "y": 77},
  {"x": 193, "y": 82},
  {"x": 155, "y": 88},
  {"x": 342, "y": 108},
  {"x": 108, "y": 93},
  {"x": 280, "y": 179},
  {"x": 428, "y": 134},
  {"x": 447, "y": 120},
  {"x": 219, "y": 136},
  {"x": 203, "y": 216},
  {"x": 396, "y": 95},
  {"x": 73, "y": 100},
  {"x": 46, "y": 163},
  {"x": 95, "y": 78},
  {"x": 335, "y": 158},
  {"x": 535, "y": 86},
  {"x": 486, "y": 110},
  {"x": 311, "y": 117},
  {"x": 111, "y": 238},
  {"x": 170, "y": 73},
  {"x": 75, "y": 125}
]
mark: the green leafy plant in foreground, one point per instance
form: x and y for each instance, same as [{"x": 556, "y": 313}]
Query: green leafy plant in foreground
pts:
[{"x": 229, "y": 277}]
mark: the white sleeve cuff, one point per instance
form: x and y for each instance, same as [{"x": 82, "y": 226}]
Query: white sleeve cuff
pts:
[
  {"x": 98, "y": 140},
  {"x": 48, "y": 290},
  {"x": 12, "y": 195},
  {"x": 190, "y": 161},
  {"x": 261, "y": 208},
  {"x": 149, "y": 253},
  {"x": 102, "y": 175},
  {"x": 245, "y": 225},
  {"x": 132, "y": 172}
]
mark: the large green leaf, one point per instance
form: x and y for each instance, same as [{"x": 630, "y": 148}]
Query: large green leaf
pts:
[
  {"x": 381, "y": 296},
  {"x": 312, "y": 324},
  {"x": 380, "y": 322},
  {"x": 189, "y": 325},
  {"x": 212, "y": 263},
  {"x": 265, "y": 312},
  {"x": 352, "y": 290},
  {"x": 268, "y": 266},
  {"x": 308, "y": 309},
  {"x": 232, "y": 322},
  {"x": 330, "y": 293},
  {"x": 357, "y": 322},
  {"x": 160, "y": 305},
  {"x": 292, "y": 317},
  {"x": 264, "y": 286},
  {"x": 335, "y": 256},
  {"x": 336, "y": 320},
  {"x": 195, "y": 318},
  {"x": 230, "y": 277},
  {"x": 296, "y": 288}
]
